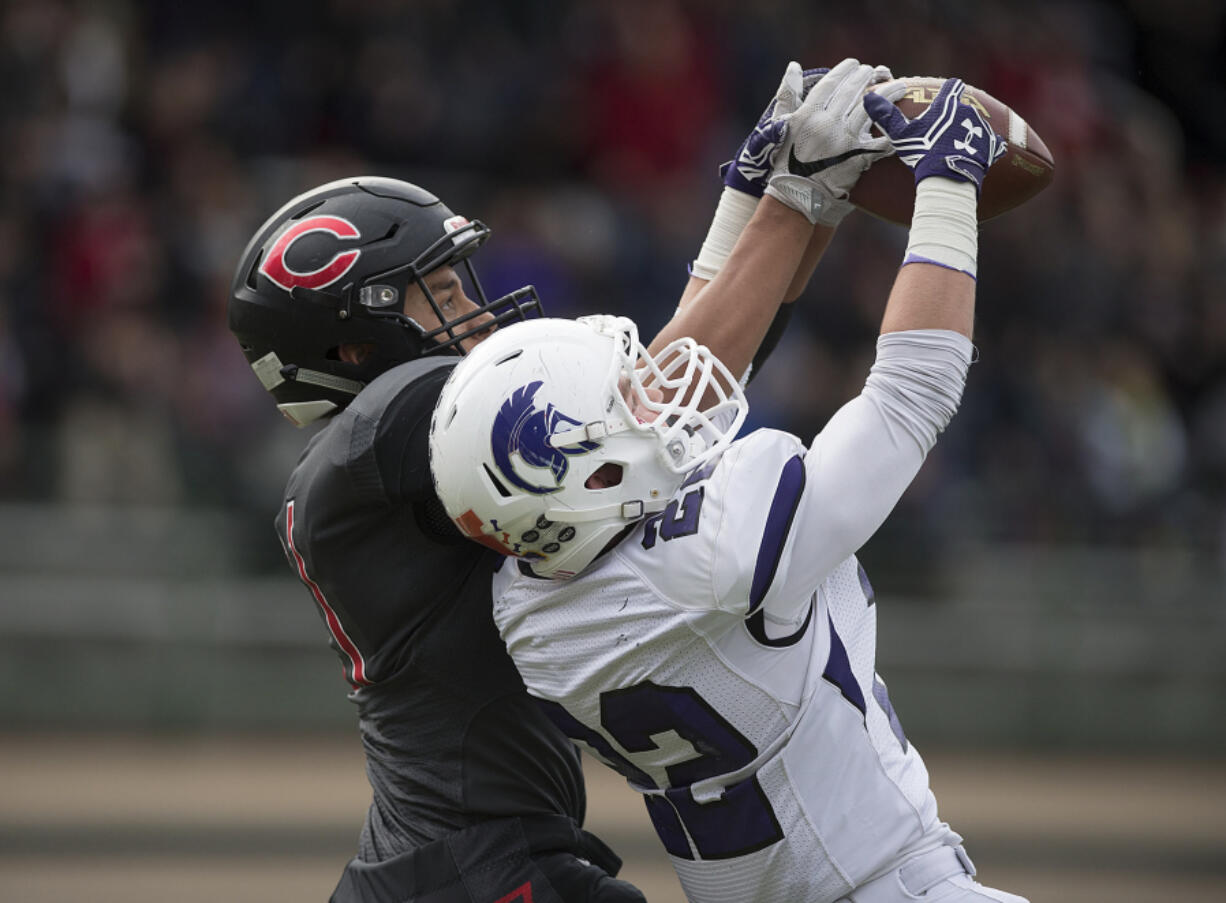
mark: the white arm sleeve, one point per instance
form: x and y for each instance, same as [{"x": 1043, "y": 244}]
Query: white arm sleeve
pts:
[{"x": 858, "y": 467}]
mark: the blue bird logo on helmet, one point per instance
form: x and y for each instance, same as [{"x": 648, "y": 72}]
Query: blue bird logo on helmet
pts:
[{"x": 521, "y": 428}]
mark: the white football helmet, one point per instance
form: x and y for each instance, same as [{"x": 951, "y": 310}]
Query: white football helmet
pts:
[{"x": 535, "y": 410}]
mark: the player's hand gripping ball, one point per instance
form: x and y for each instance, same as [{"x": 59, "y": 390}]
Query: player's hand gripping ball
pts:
[
  {"x": 1022, "y": 170},
  {"x": 750, "y": 170}
]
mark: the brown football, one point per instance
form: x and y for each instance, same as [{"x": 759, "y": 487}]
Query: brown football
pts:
[{"x": 887, "y": 189}]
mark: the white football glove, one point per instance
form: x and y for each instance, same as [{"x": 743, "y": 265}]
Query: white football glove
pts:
[
  {"x": 829, "y": 143},
  {"x": 746, "y": 174},
  {"x": 750, "y": 169}
]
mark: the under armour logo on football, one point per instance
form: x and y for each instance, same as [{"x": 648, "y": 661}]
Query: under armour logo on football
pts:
[{"x": 972, "y": 131}]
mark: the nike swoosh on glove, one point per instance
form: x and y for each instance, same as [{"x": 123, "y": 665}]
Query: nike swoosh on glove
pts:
[{"x": 829, "y": 143}]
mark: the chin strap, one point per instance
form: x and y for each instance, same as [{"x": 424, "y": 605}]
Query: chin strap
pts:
[
  {"x": 294, "y": 373},
  {"x": 272, "y": 373},
  {"x": 588, "y": 432},
  {"x": 304, "y": 413},
  {"x": 632, "y": 510}
]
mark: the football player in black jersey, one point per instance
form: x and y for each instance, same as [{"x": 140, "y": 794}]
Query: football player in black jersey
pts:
[{"x": 351, "y": 304}]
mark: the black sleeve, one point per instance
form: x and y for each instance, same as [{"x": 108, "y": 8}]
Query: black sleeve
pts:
[
  {"x": 402, "y": 439},
  {"x": 771, "y": 339}
]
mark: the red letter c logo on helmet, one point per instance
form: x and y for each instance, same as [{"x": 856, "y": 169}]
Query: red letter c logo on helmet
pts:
[{"x": 275, "y": 268}]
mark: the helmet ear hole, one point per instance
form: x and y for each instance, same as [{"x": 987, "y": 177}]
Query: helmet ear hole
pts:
[
  {"x": 253, "y": 271},
  {"x": 606, "y": 475},
  {"x": 497, "y": 483}
]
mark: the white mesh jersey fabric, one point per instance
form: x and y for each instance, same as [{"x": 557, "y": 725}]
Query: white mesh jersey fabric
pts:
[
  {"x": 854, "y": 615},
  {"x": 775, "y": 784}
]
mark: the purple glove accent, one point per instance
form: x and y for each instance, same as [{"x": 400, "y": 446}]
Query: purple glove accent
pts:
[
  {"x": 752, "y": 166},
  {"x": 750, "y": 169},
  {"x": 916, "y": 258},
  {"x": 949, "y": 139}
]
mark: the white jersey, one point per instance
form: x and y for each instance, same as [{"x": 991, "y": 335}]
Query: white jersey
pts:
[{"x": 722, "y": 658}]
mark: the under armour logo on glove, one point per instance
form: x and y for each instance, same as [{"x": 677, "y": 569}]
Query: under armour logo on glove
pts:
[
  {"x": 949, "y": 139},
  {"x": 972, "y": 131}
]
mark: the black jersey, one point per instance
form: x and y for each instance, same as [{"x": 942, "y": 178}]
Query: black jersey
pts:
[{"x": 451, "y": 737}]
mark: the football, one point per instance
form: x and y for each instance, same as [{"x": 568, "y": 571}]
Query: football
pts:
[{"x": 887, "y": 189}]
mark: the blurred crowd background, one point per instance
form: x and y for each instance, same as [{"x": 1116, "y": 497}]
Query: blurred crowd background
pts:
[{"x": 146, "y": 141}]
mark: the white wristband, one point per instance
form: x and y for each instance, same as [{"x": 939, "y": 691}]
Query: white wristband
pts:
[
  {"x": 945, "y": 225},
  {"x": 731, "y": 216}
]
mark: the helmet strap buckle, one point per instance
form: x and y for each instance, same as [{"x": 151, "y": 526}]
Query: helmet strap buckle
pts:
[
  {"x": 379, "y": 296},
  {"x": 633, "y": 510}
]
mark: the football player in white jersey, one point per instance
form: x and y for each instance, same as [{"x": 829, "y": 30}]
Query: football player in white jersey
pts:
[{"x": 689, "y": 607}]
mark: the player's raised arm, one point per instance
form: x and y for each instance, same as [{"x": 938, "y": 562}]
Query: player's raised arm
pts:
[
  {"x": 950, "y": 147},
  {"x": 805, "y": 155},
  {"x": 860, "y": 464},
  {"x": 745, "y": 177}
]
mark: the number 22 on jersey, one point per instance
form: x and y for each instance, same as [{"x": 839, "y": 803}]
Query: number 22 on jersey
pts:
[{"x": 740, "y": 821}]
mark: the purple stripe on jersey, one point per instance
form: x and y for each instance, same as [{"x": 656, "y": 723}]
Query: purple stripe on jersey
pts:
[
  {"x": 838, "y": 672},
  {"x": 864, "y": 584},
  {"x": 756, "y": 624},
  {"x": 698, "y": 474},
  {"x": 778, "y": 524},
  {"x": 883, "y": 699}
]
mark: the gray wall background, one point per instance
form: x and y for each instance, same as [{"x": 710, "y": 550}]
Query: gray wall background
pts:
[{"x": 143, "y": 619}]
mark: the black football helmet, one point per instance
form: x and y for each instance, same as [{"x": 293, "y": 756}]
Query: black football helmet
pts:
[{"x": 331, "y": 267}]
